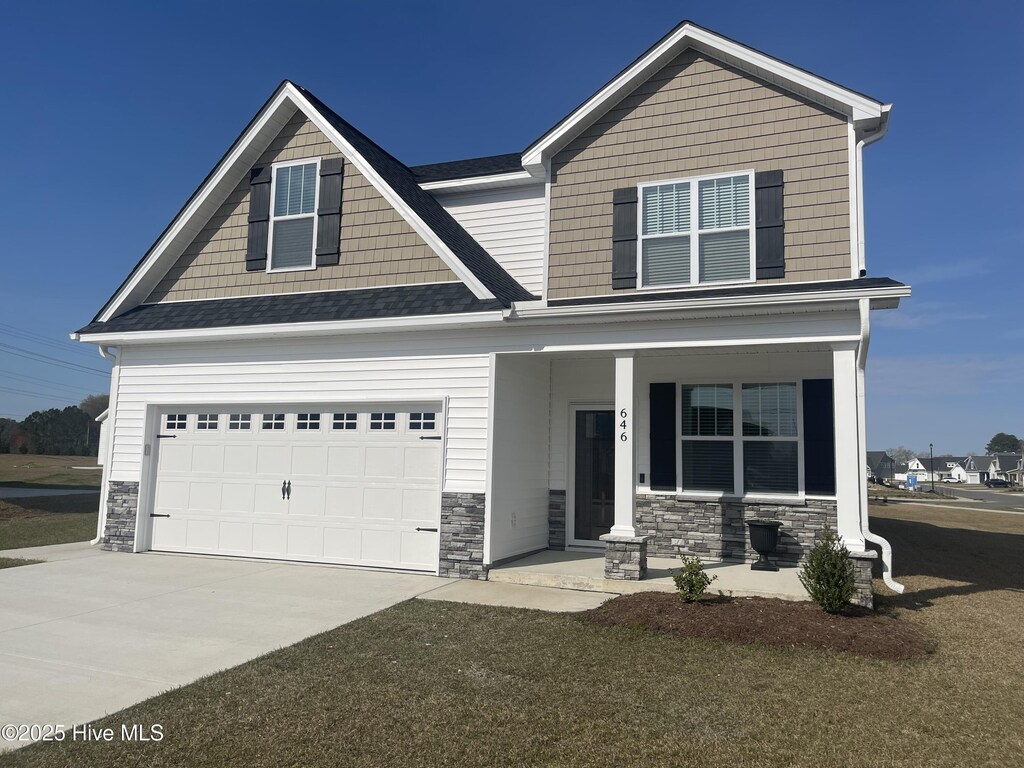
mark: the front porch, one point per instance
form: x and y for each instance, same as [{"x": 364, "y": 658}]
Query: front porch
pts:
[{"x": 584, "y": 571}]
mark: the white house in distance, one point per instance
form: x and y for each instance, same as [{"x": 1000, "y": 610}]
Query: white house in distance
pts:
[
  {"x": 646, "y": 327},
  {"x": 927, "y": 469}
]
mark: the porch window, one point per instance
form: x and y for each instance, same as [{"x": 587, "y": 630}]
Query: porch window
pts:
[
  {"x": 707, "y": 426},
  {"x": 740, "y": 438},
  {"x": 696, "y": 231}
]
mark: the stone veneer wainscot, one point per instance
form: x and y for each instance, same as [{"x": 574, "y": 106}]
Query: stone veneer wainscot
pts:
[
  {"x": 714, "y": 530},
  {"x": 462, "y": 536},
  {"x": 122, "y": 509}
]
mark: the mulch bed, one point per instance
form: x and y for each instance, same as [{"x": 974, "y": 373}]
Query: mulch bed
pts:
[{"x": 768, "y": 621}]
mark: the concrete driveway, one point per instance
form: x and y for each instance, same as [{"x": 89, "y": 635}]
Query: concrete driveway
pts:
[{"x": 90, "y": 632}]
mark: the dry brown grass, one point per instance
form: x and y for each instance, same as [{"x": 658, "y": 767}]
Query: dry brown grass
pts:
[
  {"x": 42, "y": 520},
  {"x": 25, "y": 470},
  {"x": 428, "y": 683}
]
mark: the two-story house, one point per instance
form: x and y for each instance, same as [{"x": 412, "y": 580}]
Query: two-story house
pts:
[{"x": 647, "y": 326}]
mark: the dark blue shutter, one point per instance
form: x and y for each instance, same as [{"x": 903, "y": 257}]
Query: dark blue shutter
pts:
[
  {"x": 624, "y": 238},
  {"x": 663, "y": 437},
  {"x": 819, "y": 438},
  {"x": 770, "y": 221},
  {"x": 259, "y": 219},
  {"x": 328, "y": 227}
]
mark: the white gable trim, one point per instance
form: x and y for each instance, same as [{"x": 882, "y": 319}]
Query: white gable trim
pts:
[
  {"x": 856, "y": 106},
  {"x": 232, "y": 169}
]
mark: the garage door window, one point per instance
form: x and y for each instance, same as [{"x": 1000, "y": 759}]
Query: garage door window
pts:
[
  {"x": 177, "y": 421},
  {"x": 308, "y": 421},
  {"x": 345, "y": 421},
  {"x": 273, "y": 421},
  {"x": 242, "y": 421},
  {"x": 207, "y": 421},
  {"x": 382, "y": 421},
  {"x": 422, "y": 421}
]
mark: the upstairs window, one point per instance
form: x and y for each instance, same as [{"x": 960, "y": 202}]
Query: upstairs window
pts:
[
  {"x": 293, "y": 216},
  {"x": 697, "y": 231}
]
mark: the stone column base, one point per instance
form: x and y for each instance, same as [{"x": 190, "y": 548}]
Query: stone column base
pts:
[
  {"x": 862, "y": 563},
  {"x": 625, "y": 557}
]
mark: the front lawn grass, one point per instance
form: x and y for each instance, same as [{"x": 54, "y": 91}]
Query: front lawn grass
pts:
[
  {"x": 29, "y": 471},
  {"x": 430, "y": 684},
  {"x": 42, "y": 520},
  {"x": 14, "y": 562}
]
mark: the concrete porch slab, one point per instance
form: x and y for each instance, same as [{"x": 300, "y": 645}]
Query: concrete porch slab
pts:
[{"x": 584, "y": 571}]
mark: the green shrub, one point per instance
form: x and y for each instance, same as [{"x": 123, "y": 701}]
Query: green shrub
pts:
[
  {"x": 828, "y": 574},
  {"x": 691, "y": 580}
]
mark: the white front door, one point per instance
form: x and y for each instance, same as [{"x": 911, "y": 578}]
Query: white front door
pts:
[{"x": 346, "y": 484}]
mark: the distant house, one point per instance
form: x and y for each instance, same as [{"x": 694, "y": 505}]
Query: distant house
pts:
[
  {"x": 881, "y": 466},
  {"x": 978, "y": 468},
  {"x": 1004, "y": 465},
  {"x": 928, "y": 469}
]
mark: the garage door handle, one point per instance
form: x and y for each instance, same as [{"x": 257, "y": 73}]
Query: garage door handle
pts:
[
  {"x": 430, "y": 437},
  {"x": 155, "y": 514},
  {"x": 286, "y": 489},
  {"x": 431, "y": 530},
  {"x": 165, "y": 437}
]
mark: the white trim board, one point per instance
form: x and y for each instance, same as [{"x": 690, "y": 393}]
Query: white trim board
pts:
[
  {"x": 232, "y": 169},
  {"x": 855, "y": 106}
]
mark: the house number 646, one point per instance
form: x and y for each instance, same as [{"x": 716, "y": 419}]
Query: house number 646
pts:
[{"x": 624, "y": 435}]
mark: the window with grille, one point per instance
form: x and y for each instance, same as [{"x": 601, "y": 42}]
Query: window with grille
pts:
[
  {"x": 422, "y": 421},
  {"x": 206, "y": 421},
  {"x": 307, "y": 421},
  {"x": 382, "y": 420},
  {"x": 346, "y": 421},
  {"x": 239, "y": 421},
  {"x": 176, "y": 421},
  {"x": 696, "y": 231},
  {"x": 293, "y": 216},
  {"x": 273, "y": 421}
]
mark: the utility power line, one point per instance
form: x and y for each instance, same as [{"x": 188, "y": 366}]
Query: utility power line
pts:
[
  {"x": 39, "y": 357},
  {"x": 63, "y": 345},
  {"x": 41, "y": 395},
  {"x": 51, "y": 384}
]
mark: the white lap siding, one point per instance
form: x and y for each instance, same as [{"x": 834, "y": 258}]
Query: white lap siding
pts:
[
  {"x": 509, "y": 224},
  {"x": 295, "y": 373}
]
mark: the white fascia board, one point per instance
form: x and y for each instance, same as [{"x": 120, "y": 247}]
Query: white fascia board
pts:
[
  {"x": 858, "y": 107},
  {"x": 732, "y": 302},
  {"x": 336, "y": 327},
  {"x": 275, "y": 116},
  {"x": 472, "y": 183},
  {"x": 392, "y": 197}
]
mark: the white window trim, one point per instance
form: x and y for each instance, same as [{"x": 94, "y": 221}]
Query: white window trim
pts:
[
  {"x": 737, "y": 490},
  {"x": 316, "y": 219},
  {"x": 694, "y": 232}
]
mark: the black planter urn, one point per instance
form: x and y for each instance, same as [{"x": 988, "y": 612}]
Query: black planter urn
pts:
[{"x": 764, "y": 538}]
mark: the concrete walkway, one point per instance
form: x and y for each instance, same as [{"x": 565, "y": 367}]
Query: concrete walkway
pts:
[
  {"x": 517, "y": 596},
  {"x": 585, "y": 571},
  {"x": 89, "y": 632}
]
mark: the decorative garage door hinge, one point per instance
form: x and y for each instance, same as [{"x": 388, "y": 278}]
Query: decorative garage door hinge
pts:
[{"x": 165, "y": 437}]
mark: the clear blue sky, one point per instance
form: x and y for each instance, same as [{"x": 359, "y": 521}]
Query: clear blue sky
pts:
[{"x": 113, "y": 113}]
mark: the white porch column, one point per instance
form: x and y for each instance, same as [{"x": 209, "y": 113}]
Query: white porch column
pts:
[
  {"x": 850, "y": 455},
  {"x": 625, "y": 447}
]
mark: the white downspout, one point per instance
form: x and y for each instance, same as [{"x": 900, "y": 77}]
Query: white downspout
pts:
[
  {"x": 862, "y": 357},
  {"x": 866, "y": 139},
  {"x": 101, "y": 519}
]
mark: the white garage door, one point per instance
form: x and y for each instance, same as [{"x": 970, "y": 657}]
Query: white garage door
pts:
[{"x": 336, "y": 484}]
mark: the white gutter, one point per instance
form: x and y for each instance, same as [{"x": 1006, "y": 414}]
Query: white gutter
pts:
[
  {"x": 870, "y": 138},
  {"x": 101, "y": 519},
  {"x": 862, "y": 356},
  {"x": 775, "y": 299}
]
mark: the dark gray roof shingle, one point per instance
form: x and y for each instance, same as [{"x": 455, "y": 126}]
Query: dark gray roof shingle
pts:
[
  {"x": 398, "y": 176},
  {"x": 467, "y": 169},
  {"x": 399, "y": 301}
]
